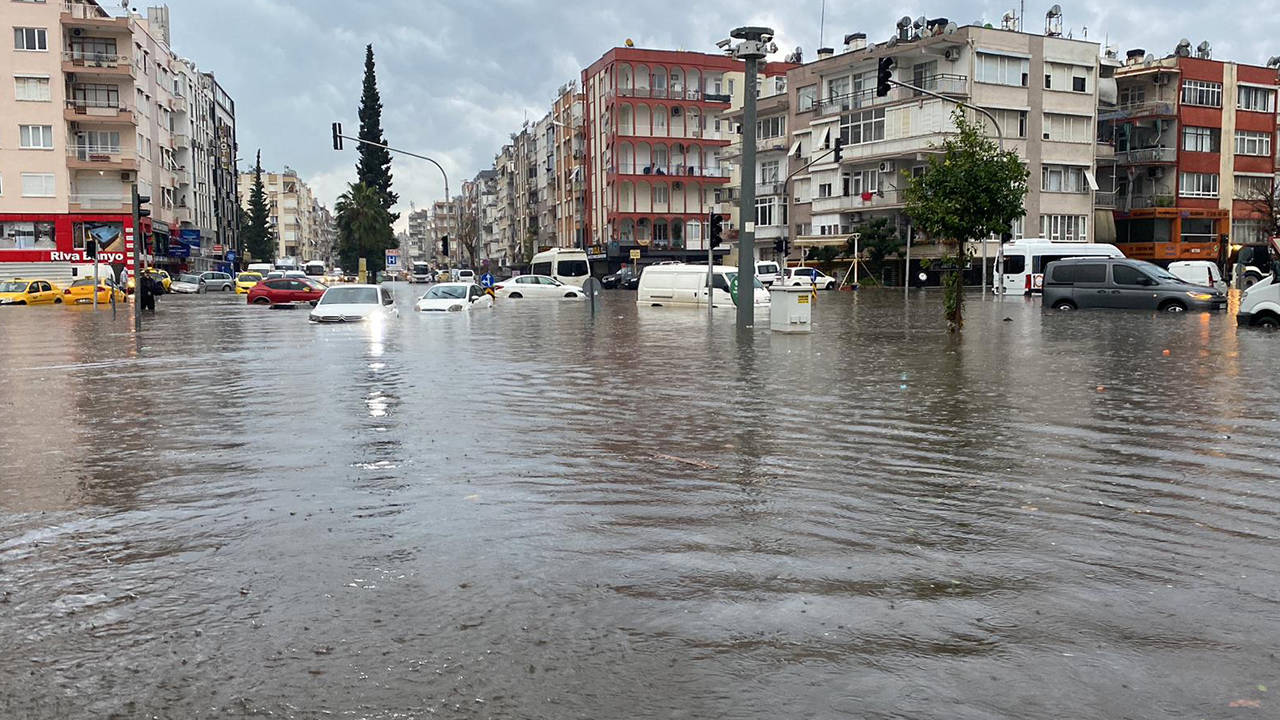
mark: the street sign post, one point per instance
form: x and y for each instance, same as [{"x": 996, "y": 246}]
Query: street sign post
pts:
[
  {"x": 635, "y": 254},
  {"x": 393, "y": 259}
]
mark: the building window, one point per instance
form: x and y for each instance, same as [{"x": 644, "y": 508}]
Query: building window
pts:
[
  {"x": 1249, "y": 232},
  {"x": 1068, "y": 128},
  {"x": 1199, "y": 92},
  {"x": 37, "y": 185},
  {"x": 769, "y": 172},
  {"x": 38, "y": 137},
  {"x": 824, "y": 190},
  {"x": 1200, "y": 139},
  {"x": 837, "y": 87},
  {"x": 1132, "y": 95},
  {"x": 806, "y": 97},
  {"x": 862, "y": 127},
  {"x": 100, "y": 96},
  {"x": 771, "y": 127},
  {"x": 1013, "y": 123},
  {"x": 1060, "y": 76},
  {"x": 1253, "y": 143},
  {"x": 1001, "y": 70},
  {"x": 861, "y": 181},
  {"x": 1065, "y": 228},
  {"x": 27, "y": 236},
  {"x": 30, "y": 39},
  {"x": 661, "y": 196},
  {"x": 31, "y": 88},
  {"x": 96, "y": 142},
  {"x": 765, "y": 215},
  {"x": 1063, "y": 179},
  {"x": 1256, "y": 99},
  {"x": 1254, "y": 187},
  {"x": 1204, "y": 185}
]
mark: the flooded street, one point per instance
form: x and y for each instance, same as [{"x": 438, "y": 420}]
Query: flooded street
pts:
[{"x": 532, "y": 512}]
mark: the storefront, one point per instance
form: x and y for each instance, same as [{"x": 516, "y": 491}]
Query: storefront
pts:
[{"x": 45, "y": 238}]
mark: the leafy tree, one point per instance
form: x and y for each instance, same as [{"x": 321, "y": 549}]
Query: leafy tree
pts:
[
  {"x": 259, "y": 237},
  {"x": 364, "y": 228},
  {"x": 373, "y": 169},
  {"x": 879, "y": 239},
  {"x": 969, "y": 191}
]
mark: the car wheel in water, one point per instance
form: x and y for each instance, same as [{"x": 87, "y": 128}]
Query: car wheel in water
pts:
[
  {"x": 1267, "y": 322},
  {"x": 57, "y": 301},
  {"x": 515, "y": 296},
  {"x": 828, "y": 286},
  {"x": 1250, "y": 280},
  {"x": 1064, "y": 305},
  {"x": 572, "y": 295},
  {"x": 226, "y": 288},
  {"x": 261, "y": 301},
  {"x": 1173, "y": 307}
]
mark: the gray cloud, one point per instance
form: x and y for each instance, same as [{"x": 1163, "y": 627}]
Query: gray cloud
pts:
[{"x": 458, "y": 77}]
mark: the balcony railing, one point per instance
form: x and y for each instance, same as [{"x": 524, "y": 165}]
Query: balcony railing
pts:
[
  {"x": 676, "y": 171},
  {"x": 856, "y": 203},
  {"x": 674, "y": 93},
  {"x": 773, "y": 188},
  {"x": 1147, "y": 155},
  {"x": 95, "y": 153},
  {"x": 1142, "y": 109},
  {"x": 1104, "y": 198},
  {"x": 1144, "y": 200},
  {"x": 83, "y": 58},
  {"x": 99, "y": 201},
  {"x": 945, "y": 84}
]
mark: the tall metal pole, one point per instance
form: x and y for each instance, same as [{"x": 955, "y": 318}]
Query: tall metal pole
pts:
[
  {"x": 137, "y": 264},
  {"x": 753, "y": 48}
]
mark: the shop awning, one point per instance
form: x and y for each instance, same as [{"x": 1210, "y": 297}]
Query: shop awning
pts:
[{"x": 822, "y": 240}]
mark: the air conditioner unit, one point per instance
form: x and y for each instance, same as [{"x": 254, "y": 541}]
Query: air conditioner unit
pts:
[
  {"x": 676, "y": 185},
  {"x": 952, "y": 54},
  {"x": 127, "y": 176},
  {"x": 886, "y": 166},
  {"x": 675, "y": 111}
]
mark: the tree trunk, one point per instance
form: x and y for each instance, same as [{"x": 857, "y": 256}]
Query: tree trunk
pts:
[{"x": 953, "y": 287}]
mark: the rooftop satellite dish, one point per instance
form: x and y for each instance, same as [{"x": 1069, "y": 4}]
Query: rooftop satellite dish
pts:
[
  {"x": 1183, "y": 49},
  {"x": 1055, "y": 11},
  {"x": 904, "y": 22},
  {"x": 1273, "y": 62},
  {"x": 629, "y": 43},
  {"x": 1202, "y": 50},
  {"x": 919, "y": 23},
  {"x": 951, "y": 28}
]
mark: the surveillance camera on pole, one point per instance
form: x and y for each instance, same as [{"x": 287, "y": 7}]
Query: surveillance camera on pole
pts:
[{"x": 754, "y": 46}]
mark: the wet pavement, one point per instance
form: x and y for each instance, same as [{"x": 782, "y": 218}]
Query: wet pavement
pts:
[{"x": 534, "y": 513}]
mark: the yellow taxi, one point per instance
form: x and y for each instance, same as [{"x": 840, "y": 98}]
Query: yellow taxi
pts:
[
  {"x": 81, "y": 292},
  {"x": 163, "y": 275},
  {"x": 21, "y": 291},
  {"x": 246, "y": 280}
]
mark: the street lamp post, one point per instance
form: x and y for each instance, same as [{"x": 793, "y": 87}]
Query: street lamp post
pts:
[{"x": 756, "y": 43}]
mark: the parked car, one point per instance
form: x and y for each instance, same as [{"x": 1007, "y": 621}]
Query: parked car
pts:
[
  {"x": 1077, "y": 283},
  {"x": 285, "y": 291},
  {"x": 454, "y": 297},
  {"x": 354, "y": 303},
  {"x": 686, "y": 285},
  {"x": 465, "y": 275},
  {"x": 808, "y": 276},
  {"x": 1260, "y": 302},
  {"x": 187, "y": 284},
  {"x": 81, "y": 292},
  {"x": 245, "y": 282},
  {"x": 295, "y": 274},
  {"x": 535, "y": 286},
  {"x": 624, "y": 279},
  {"x": 768, "y": 272},
  {"x": 217, "y": 282},
  {"x": 1197, "y": 272},
  {"x": 20, "y": 291}
]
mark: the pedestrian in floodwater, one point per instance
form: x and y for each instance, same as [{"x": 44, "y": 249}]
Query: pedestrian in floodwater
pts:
[{"x": 147, "y": 291}]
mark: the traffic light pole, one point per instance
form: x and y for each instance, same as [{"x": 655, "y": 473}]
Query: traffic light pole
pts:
[
  {"x": 710, "y": 264},
  {"x": 137, "y": 263},
  {"x": 752, "y": 49}
]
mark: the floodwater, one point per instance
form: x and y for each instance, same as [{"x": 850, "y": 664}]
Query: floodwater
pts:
[{"x": 532, "y": 512}]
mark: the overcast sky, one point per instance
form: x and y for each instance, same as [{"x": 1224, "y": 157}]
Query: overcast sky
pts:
[{"x": 457, "y": 78}]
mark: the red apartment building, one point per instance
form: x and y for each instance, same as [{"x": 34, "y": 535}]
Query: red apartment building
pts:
[
  {"x": 652, "y": 149},
  {"x": 1194, "y": 141}
]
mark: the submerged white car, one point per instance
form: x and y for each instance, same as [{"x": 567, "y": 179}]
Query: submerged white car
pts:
[
  {"x": 354, "y": 303},
  {"x": 536, "y": 286},
  {"x": 454, "y": 297},
  {"x": 188, "y": 284}
]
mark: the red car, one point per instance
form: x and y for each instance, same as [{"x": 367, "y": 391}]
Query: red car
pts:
[{"x": 286, "y": 291}]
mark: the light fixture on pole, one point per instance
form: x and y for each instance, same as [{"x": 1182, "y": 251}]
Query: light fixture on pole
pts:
[{"x": 755, "y": 44}]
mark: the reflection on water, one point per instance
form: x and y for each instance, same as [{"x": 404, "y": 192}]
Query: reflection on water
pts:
[{"x": 536, "y": 512}]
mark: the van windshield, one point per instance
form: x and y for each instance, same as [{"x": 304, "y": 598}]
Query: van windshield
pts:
[
  {"x": 571, "y": 268},
  {"x": 1156, "y": 271}
]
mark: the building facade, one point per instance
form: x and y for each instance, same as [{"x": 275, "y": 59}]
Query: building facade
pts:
[
  {"x": 1194, "y": 154},
  {"x": 299, "y": 234},
  {"x": 568, "y": 196}
]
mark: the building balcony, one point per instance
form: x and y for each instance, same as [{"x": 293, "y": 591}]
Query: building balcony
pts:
[
  {"x": 86, "y": 16},
  {"x": 93, "y": 157},
  {"x": 669, "y": 173},
  {"x": 1154, "y": 108},
  {"x": 671, "y": 94},
  {"x": 1140, "y": 201},
  {"x": 179, "y": 104},
  {"x": 885, "y": 199},
  {"x": 695, "y": 135},
  {"x": 100, "y": 202},
  {"x": 1148, "y": 156},
  {"x": 117, "y": 67},
  {"x": 183, "y": 214},
  {"x": 1104, "y": 151},
  {"x": 943, "y": 84},
  {"x": 98, "y": 113},
  {"x": 181, "y": 141},
  {"x": 1105, "y": 199}
]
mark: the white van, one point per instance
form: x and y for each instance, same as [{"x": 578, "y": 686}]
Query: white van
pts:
[
  {"x": 568, "y": 265},
  {"x": 767, "y": 271},
  {"x": 260, "y": 268},
  {"x": 678, "y": 285},
  {"x": 1025, "y": 261},
  {"x": 1197, "y": 272}
]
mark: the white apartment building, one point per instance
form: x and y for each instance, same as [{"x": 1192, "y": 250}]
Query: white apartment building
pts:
[{"x": 293, "y": 215}]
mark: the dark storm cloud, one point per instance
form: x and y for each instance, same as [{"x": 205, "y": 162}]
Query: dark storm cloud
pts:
[{"x": 458, "y": 77}]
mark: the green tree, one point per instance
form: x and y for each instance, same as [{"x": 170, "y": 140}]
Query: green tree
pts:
[
  {"x": 969, "y": 191},
  {"x": 364, "y": 228},
  {"x": 373, "y": 169},
  {"x": 259, "y": 237},
  {"x": 879, "y": 238}
]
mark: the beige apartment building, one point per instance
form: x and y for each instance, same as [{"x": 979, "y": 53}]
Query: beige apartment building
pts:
[
  {"x": 1043, "y": 90},
  {"x": 90, "y": 104},
  {"x": 568, "y": 199},
  {"x": 299, "y": 234}
]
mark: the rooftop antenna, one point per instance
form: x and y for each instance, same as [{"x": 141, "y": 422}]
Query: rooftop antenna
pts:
[
  {"x": 1202, "y": 50},
  {"x": 822, "y": 23},
  {"x": 1009, "y": 21}
]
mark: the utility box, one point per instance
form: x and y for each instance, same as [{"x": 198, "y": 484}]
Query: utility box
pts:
[{"x": 790, "y": 308}]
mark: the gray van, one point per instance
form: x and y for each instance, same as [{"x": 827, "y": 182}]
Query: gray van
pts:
[{"x": 1125, "y": 284}]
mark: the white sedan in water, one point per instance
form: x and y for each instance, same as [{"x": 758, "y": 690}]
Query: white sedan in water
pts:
[
  {"x": 536, "y": 286},
  {"x": 354, "y": 303},
  {"x": 454, "y": 297},
  {"x": 188, "y": 284}
]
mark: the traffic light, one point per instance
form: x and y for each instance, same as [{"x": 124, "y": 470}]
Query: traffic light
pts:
[
  {"x": 337, "y": 136},
  {"x": 884, "y": 73},
  {"x": 140, "y": 208},
  {"x": 716, "y": 221},
  {"x": 90, "y": 248},
  {"x": 837, "y": 149},
  {"x": 444, "y": 245},
  {"x": 777, "y": 246}
]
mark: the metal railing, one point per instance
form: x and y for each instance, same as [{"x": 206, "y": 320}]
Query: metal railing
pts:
[
  {"x": 86, "y": 11},
  {"x": 674, "y": 93},
  {"x": 772, "y": 188},
  {"x": 99, "y": 201},
  {"x": 96, "y": 153},
  {"x": 945, "y": 83},
  {"x": 94, "y": 59},
  {"x": 1104, "y": 198},
  {"x": 83, "y": 105},
  {"x": 1148, "y": 155},
  {"x": 676, "y": 171}
]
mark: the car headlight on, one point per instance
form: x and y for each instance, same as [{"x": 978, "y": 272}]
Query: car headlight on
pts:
[{"x": 1199, "y": 295}]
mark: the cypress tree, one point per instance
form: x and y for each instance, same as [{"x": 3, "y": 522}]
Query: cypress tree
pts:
[
  {"x": 259, "y": 240},
  {"x": 373, "y": 169}
]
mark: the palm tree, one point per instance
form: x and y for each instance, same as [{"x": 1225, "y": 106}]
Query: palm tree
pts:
[{"x": 364, "y": 227}]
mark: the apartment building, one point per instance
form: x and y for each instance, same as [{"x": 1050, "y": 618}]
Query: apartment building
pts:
[
  {"x": 293, "y": 214},
  {"x": 444, "y": 223},
  {"x": 93, "y": 106},
  {"x": 773, "y": 110},
  {"x": 569, "y": 199},
  {"x": 1194, "y": 143},
  {"x": 653, "y": 139},
  {"x": 418, "y": 238},
  {"x": 1042, "y": 89}
]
